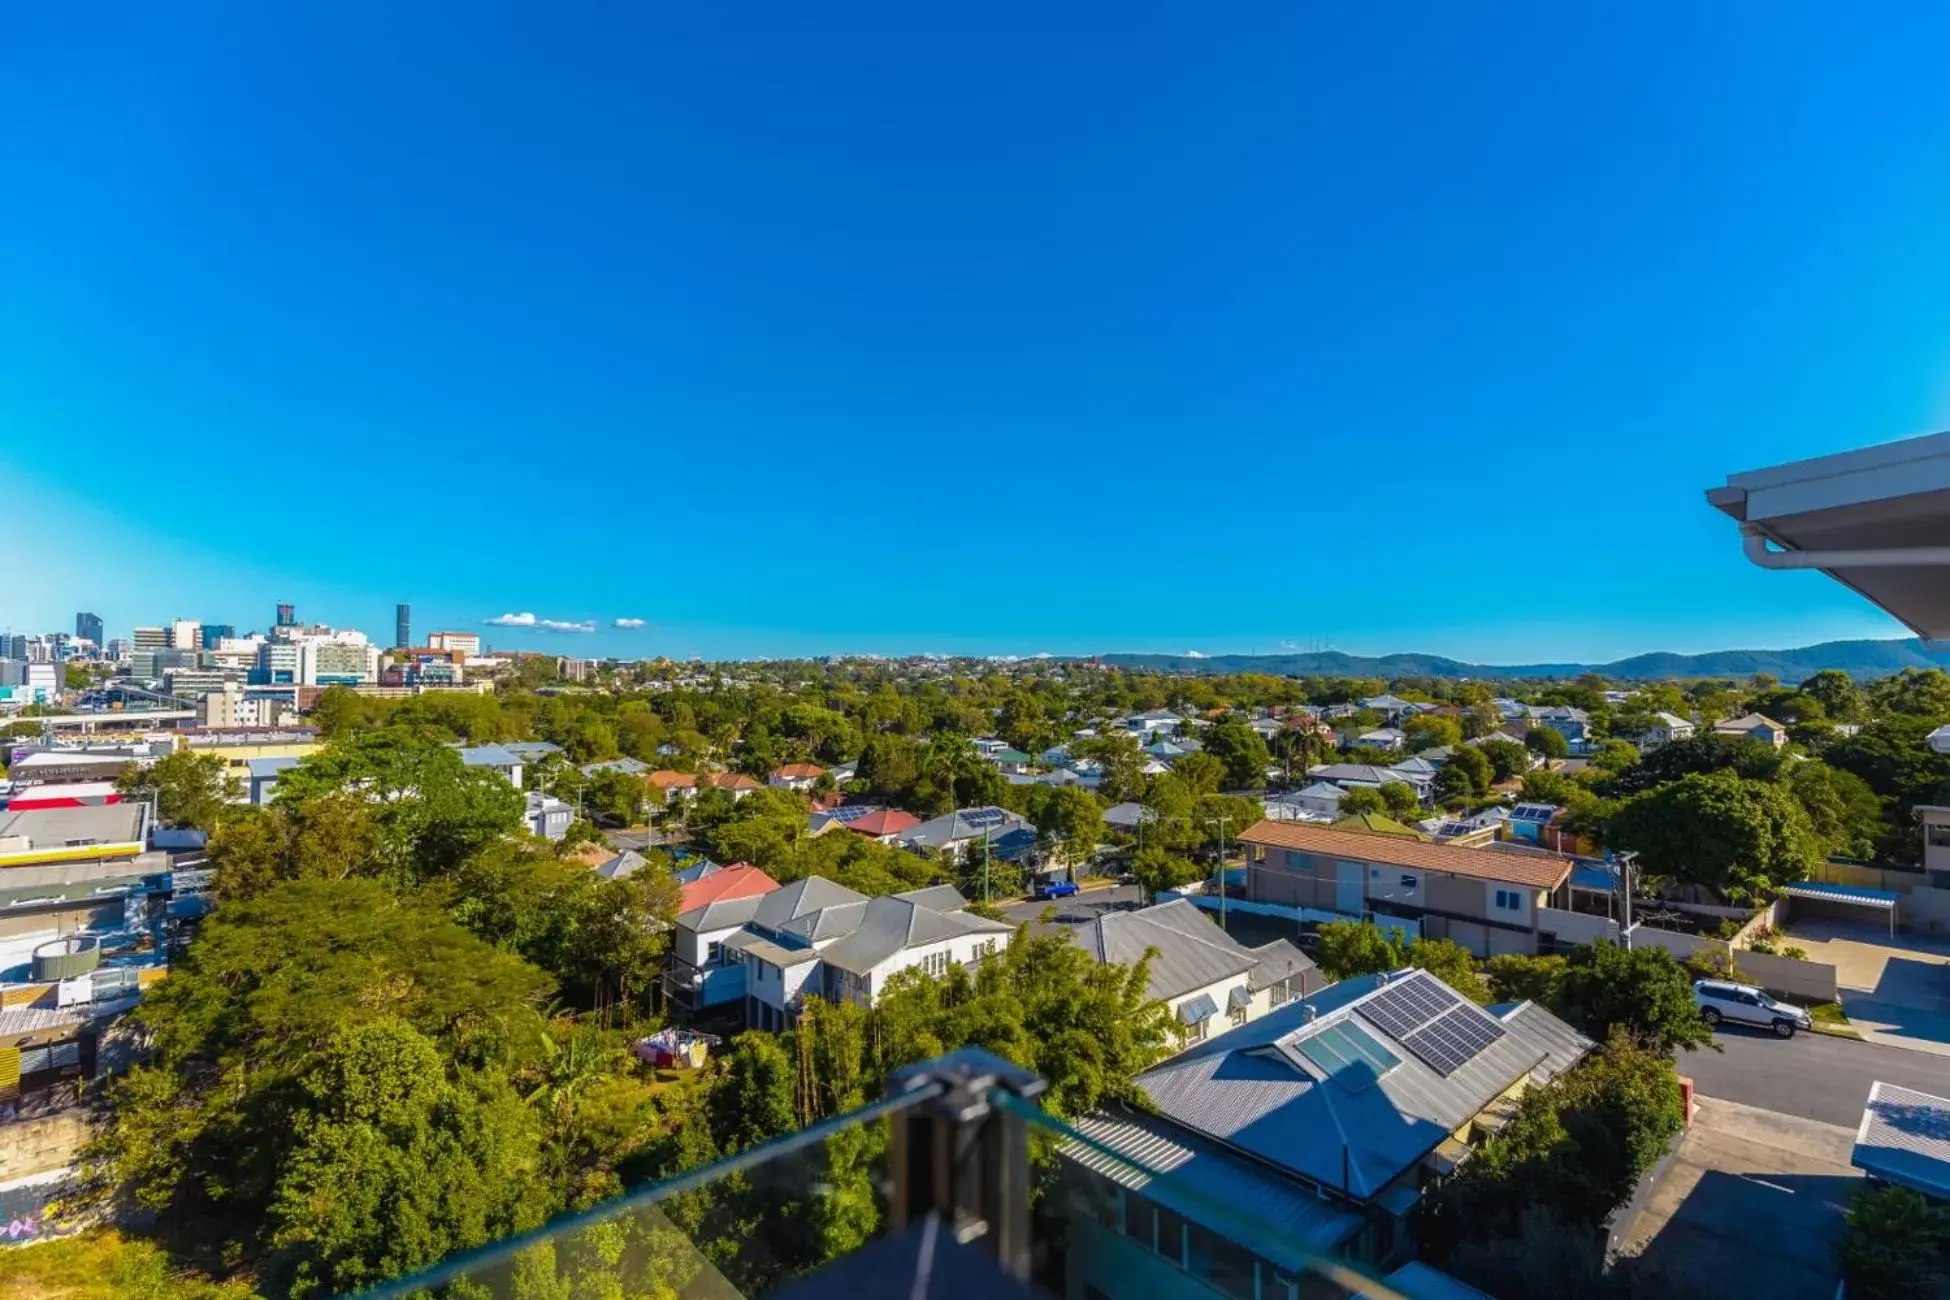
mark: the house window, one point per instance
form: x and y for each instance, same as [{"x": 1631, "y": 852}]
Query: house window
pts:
[
  {"x": 935, "y": 963},
  {"x": 1509, "y": 900},
  {"x": 1409, "y": 880},
  {"x": 1238, "y": 1015},
  {"x": 1195, "y": 1032},
  {"x": 715, "y": 957}
]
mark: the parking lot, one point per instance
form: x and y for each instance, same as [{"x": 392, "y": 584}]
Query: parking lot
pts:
[{"x": 1752, "y": 1195}]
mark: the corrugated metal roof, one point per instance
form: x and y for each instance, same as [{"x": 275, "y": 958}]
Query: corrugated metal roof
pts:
[
  {"x": 1904, "y": 1138},
  {"x": 1247, "y": 1087},
  {"x": 1815, "y": 889},
  {"x": 1192, "y": 951},
  {"x": 1272, "y": 1217},
  {"x": 33, "y": 1020}
]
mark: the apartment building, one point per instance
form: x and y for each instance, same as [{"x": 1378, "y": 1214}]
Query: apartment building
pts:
[{"x": 1486, "y": 899}]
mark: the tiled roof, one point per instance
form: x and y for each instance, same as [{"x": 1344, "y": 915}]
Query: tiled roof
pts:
[
  {"x": 791, "y": 771},
  {"x": 888, "y": 821},
  {"x": 740, "y": 880},
  {"x": 1539, "y": 873},
  {"x": 734, "y": 781},
  {"x": 672, "y": 780}
]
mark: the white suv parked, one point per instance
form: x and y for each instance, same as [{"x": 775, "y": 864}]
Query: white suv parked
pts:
[{"x": 1746, "y": 1005}]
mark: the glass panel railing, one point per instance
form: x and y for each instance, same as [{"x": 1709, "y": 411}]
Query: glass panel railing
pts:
[
  {"x": 1124, "y": 1206},
  {"x": 743, "y": 1226}
]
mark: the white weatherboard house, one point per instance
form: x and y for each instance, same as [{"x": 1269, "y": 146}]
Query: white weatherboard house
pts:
[{"x": 814, "y": 938}]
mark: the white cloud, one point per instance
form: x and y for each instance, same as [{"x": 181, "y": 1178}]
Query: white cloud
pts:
[
  {"x": 1194, "y": 654},
  {"x": 540, "y": 624},
  {"x": 629, "y": 622}
]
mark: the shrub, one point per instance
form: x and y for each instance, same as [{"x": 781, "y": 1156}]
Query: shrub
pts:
[{"x": 1896, "y": 1246}]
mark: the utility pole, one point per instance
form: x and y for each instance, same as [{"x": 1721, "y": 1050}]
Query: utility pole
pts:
[
  {"x": 1624, "y": 864},
  {"x": 1221, "y": 823}
]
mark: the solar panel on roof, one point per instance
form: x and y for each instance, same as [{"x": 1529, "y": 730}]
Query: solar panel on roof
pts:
[
  {"x": 1453, "y": 1040},
  {"x": 980, "y": 817},
  {"x": 1401, "y": 1009}
]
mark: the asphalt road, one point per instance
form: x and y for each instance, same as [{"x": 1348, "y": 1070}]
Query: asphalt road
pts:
[
  {"x": 641, "y": 840},
  {"x": 1818, "y": 1078},
  {"x": 1078, "y": 909}
]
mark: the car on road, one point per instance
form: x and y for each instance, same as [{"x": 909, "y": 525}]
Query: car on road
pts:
[
  {"x": 1055, "y": 888},
  {"x": 1743, "y": 1004}
]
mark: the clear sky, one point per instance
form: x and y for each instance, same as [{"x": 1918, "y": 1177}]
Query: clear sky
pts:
[{"x": 793, "y": 327}]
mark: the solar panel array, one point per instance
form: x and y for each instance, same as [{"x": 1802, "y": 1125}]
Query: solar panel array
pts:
[
  {"x": 980, "y": 818},
  {"x": 1450, "y": 1042},
  {"x": 851, "y": 813},
  {"x": 1433, "y": 1021}
]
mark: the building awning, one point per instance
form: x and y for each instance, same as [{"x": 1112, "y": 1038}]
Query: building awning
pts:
[
  {"x": 1821, "y": 891},
  {"x": 1904, "y": 1138},
  {"x": 1197, "y": 1009},
  {"x": 1241, "y": 996}
]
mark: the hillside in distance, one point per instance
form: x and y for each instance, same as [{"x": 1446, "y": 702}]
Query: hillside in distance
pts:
[{"x": 1859, "y": 659}]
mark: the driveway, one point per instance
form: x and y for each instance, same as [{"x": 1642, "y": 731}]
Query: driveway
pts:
[
  {"x": 1896, "y": 991},
  {"x": 1751, "y": 1201}
]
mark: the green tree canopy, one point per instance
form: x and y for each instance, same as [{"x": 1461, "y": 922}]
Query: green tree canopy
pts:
[
  {"x": 190, "y": 788},
  {"x": 1740, "y": 837},
  {"x": 1243, "y": 753},
  {"x": 1508, "y": 758},
  {"x": 1547, "y": 742},
  {"x": 1202, "y": 773},
  {"x": 1642, "y": 992}
]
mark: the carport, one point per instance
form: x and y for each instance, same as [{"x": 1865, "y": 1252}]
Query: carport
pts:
[{"x": 1844, "y": 902}]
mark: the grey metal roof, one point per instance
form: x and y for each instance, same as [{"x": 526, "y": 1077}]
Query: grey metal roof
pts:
[
  {"x": 885, "y": 926},
  {"x": 1192, "y": 951},
  {"x": 721, "y": 914},
  {"x": 1128, "y": 815},
  {"x": 262, "y": 769},
  {"x": 35, "y": 1020},
  {"x": 801, "y": 898},
  {"x": 623, "y": 865},
  {"x": 956, "y": 825},
  {"x": 1279, "y": 1219},
  {"x": 489, "y": 756},
  {"x": 52, "y": 828},
  {"x": 531, "y": 749},
  {"x": 1277, "y": 961},
  {"x": 940, "y": 898},
  {"x": 1359, "y": 773},
  {"x": 627, "y": 766},
  {"x": 1252, "y": 1088},
  {"x": 1904, "y": 1138}
]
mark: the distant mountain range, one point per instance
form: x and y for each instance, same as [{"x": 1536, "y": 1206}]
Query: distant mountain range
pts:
[{"x": 1859, "y": 659}]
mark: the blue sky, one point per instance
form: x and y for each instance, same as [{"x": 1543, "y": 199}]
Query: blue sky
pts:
[{"x": 799, "y": 328}]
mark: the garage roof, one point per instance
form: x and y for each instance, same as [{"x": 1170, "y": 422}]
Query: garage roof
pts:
[{"x": 1904, "y": 1138}]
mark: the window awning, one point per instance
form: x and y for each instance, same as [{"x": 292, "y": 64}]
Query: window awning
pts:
[
  {"x": 1199, "y": 1008},
  {"x": 1241, "y": 996}
]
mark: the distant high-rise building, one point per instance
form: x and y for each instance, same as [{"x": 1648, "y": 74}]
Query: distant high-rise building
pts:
[
  {"x": 118, "y": 648},
  {"x": 13, "y": 645},
  {"x": 287, "y": 615},
  {"x": 185, "y": 634},
  {"x": 88, "y": 627},
  {"x": 402, "y": 626},
  {"x": 214, "y": 634},
  {"x": 152, "y": 638},
  {"x": 465, "y": 642}
]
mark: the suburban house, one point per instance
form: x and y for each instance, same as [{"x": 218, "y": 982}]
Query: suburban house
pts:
[
  {"x": 675, "y": 785},
  {"x": 954, "y": 832},
  {"x": 1163, "y": 723},
  {"x": 735, "y": 784},
  {"x": 1754, "y": 726},
  {"x": 1572, "y": 724},
  {"x": 819, "y": 939},
  {"x": 1208, "y": 978},
  {"x": 531, "y": 751},
  {"x": 1320, "y": 801},
  {"x": 1314, "y": 1130},
  {"x": 795, "y": 776},
  {"x": 1482, "y": 899},
  {"x": 883, "y": 824},
  {"x": 1128, "y": 816},
  {"x": 1364, "y": 776},
  {"x": 546, "y": 816},
  {"x": 626, "y": 765},
  {"x": 1395, "y": 707},
  {"x": 1416, "y": 768},
  {"x": 1665, "y": 728},
  {"x": 703, "y": 973},
  {"x": 1381, "y": 738},
  {"x": 495, "y": 758}
]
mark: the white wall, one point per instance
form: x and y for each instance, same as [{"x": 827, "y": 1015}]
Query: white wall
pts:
[
  {"x": 1395, "y": 885},
  {"x": 693, "y": 947},
  {"x": 1221, "y": 995},
  {"x": 961, "y": 949},
  {"x": 1575, "y": 927}
]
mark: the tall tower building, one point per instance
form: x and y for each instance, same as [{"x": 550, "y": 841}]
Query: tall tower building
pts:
[
  {"x": 402, "y": 626},
  {"x": 89, "y": 627},
  {"x": 287, "y": 615}
]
